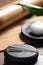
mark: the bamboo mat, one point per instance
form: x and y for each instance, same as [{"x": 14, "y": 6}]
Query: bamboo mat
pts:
[{"x": 12, "y": 34}]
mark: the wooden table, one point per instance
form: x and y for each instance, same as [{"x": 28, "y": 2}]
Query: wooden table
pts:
[{"x": 12, "y": 35}]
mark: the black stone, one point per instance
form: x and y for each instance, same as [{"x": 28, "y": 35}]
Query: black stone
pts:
[{"x": 20, "y": 54}]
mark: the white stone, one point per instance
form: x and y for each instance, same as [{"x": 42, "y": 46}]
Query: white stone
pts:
[{"x": 37, "y": 27}]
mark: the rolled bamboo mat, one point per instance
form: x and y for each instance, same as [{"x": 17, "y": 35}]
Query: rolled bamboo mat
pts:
[{"x": 12, "y": 13}]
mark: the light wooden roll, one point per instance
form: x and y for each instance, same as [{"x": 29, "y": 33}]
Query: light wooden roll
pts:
[{"x": 13, "y": 13}]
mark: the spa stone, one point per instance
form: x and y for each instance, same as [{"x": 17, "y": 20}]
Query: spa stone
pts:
[{"x": 20, "y": 54}]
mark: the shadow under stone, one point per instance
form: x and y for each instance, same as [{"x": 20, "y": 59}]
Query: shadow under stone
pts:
[{"x": 34, "y": 42}]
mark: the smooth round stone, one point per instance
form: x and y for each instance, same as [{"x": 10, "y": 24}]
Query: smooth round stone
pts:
[{"x": 21, "y": 54}]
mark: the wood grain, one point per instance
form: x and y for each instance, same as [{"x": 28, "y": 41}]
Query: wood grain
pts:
[{"x": 11, "y": 35}]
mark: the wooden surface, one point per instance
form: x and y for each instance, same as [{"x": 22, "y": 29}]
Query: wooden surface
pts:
[
  {"x": 12, "y": 35},
  {"x": 5, "y": 2}
]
